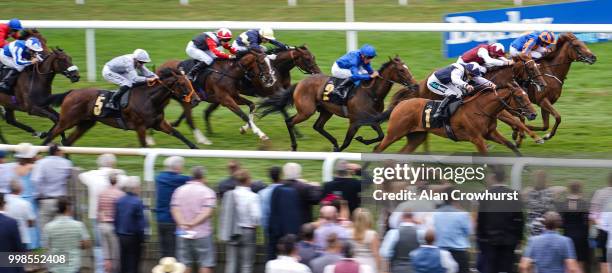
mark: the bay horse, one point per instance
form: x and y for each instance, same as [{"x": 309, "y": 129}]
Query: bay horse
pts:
[
  {"x": 474, "y": 121},
  {"x": 33, "y": 87},
  {"x": 220, "y": 82},
  {"x": 285, "y": 61},
  {"x": 367, "y": 101},
  {"x": 145, "y": 108}
]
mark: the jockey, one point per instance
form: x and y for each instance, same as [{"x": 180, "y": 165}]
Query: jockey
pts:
[
  {"x": 451, "y": 80},
  {"x": 486, "y": 55},
  {"x": 10, "y": 29},
  {"x": 205, "y": 49},
  {"x": 535, "y": 44},
  {"x": 254, "y": 38},
  {"x": 354, "y": 67},
  {"x": 18, "y": 55},
  {"x": 125, "y": 71}
]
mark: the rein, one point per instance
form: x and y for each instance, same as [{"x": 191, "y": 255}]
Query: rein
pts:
[
  {"x": 296, "y": 65},
  {"x": 187, "y": 98}
]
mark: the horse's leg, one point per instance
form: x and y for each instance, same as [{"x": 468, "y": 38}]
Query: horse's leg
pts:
[
  {"x": 319, "y": 126},
  {"x": 251, "y": 122},
  {"x": 379, "y": 131},
  {"x": 550, "y": 109},
  {"x": 188, "y": 115},
  {"x": 9, "y": 116},
  {"x": 165, "y": 127},
  {"x": 80, "y": 129},
  {"x": 286, "y": 117},
  {"x": 2, "y": 139},
  {"x": 414, "y": 140},
  {"x": 149, "y": 138},
  {"x": 186, "y": 108},
  {"x": 350, "y": 133},
  {"x": 141, "y": 132},
  {"x": 499, "y": 138},
  {"x": 545, "y": 120},
  {"x": 480, "y": 144},
  {"x": 60, "y": 127},
  {"x": 211, "y": 108},
  {"x": 518, "y": 127}
]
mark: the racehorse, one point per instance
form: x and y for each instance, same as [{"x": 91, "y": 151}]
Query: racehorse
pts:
[
  {"x": 474, "y": 121},
  {"x": 283, "y": 63},
  {"x": 367, "y": 101},
  {"x": 219, "y": 84},
  {"x": 145, "y": 109},
  {"x": 33, "y": 87}
]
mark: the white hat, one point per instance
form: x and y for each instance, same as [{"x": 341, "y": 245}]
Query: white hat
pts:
[
  {"x": 141, "y": 55},
  {"x": 267, "y": 33},
  {"x": 168, "y": 265},
  {"x": 25, "y": 150}
]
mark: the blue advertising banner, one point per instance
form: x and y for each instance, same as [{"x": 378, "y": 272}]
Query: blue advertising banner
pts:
[{"x": 579, "y": 12}]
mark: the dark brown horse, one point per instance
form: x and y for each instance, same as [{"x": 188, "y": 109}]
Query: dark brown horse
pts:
[
  {"x": 368, "y": 101},
  {"x": 33, "y": 87},
  {"x": 474, "y": 121},
  {"x": 220, "y": 84},
  {"x": 145, "y": 109}
]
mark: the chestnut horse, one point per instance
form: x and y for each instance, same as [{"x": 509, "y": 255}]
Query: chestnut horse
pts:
[
  {"x": 145, "y": 109},
  {"x": 474, "y": 121},
  {"x": 367, "y": 101}
]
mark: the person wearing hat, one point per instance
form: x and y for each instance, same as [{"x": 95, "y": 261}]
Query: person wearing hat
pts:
[{"x": 168, "y": 265}]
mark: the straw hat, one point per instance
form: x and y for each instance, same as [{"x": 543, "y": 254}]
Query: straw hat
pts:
[
  {"x": 25, "y": 150},
  {"x": 168, "y": 265}
]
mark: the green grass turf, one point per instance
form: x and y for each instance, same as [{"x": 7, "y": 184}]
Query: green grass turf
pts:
[{"x": 585, "y": 130}]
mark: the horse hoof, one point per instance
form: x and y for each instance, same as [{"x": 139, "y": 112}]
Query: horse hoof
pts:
[
  {"x": 264, "y": 138},
  {"x": 547, "y": 136},
  {"x": 42, "y": 135},
  {"x": 539, "y": 141},
  {"x": 242, "y": 131},
  {"x": 360, "y": 139},
  {"x": 150, "y": 141}
]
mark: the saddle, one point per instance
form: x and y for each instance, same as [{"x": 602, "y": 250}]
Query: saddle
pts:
[
  {"x": 332, "y": 94},
  {"x": 4, "y": 70},
  {"x": 186, "y": 66},
  {"x": 101, "y": 111},
  {"x": 429, "y": 122}
]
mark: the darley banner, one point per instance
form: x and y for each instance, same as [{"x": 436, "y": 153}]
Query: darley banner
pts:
[{"x": 580, "y": 12}]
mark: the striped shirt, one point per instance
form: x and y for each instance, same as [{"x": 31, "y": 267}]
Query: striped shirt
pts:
[
  {"x": 106, "y": 204},
  {"x": 63, "y": 236}
]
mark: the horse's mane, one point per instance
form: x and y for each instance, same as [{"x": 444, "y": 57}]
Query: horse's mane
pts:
[
  {"x": 385, "y": 65},
  {"x": 167, "y": 72}
]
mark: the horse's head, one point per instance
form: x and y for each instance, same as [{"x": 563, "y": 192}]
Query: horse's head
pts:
[
  {"x": 177, "y": 82},
  {"x": 518, "y": 103},
  {"x": 526, "y": 69},
  {"x": 397, "y": 71},
  {"x": 577, "y": 50},
  {"x": 258, "y": 64},
  {"x": 304, "y": 60},
  {"x": 59, "y": 62}
]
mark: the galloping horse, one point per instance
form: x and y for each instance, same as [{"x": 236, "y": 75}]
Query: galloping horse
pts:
[
  {"x": 33, "y": 87},
  {"x": 474, "y": 121},
  {"x": 368, "y": 100},
  {"x": 145, "y": 109},
  {"x": 220, "y": 83}
]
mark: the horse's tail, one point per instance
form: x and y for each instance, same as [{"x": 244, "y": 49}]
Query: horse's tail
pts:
[
  {"x": 56, "y": 100},
  {"x": 277, "y": 102}
]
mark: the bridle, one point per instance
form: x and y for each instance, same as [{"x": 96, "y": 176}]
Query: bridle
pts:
[
  {"x": 66, "y": 71},
  {"x": 295, "y": 63},
  {"x": 532, "y": 75},
  {"x": 187, "y": 98},
  {"x": 522, "y": 108},
  {"x": 261, "y": 66}
]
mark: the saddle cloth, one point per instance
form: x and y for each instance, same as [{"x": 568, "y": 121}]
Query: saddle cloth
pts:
[
  {"x": 429, "y": 122},
  {"x": 101, "y": 111},
  {"x": 330, "y": 92}
]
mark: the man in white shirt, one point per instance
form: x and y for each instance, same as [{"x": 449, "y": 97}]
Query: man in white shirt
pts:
[
  {"x": 20, "y": 210},
  {"x": 287, "y": 261}
]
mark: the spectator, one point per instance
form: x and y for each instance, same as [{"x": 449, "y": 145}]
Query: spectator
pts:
[
  {"x": 453, "y": 227},
  {"x": 66, "y": 236},
  {"x": 96, "y": 182},
  {"x": 575, "y": 219},
  {"x": 499, "y": 227},
  {"x": 22, "y": 171},
  {"x": 169, "y": 265},
  {"x": 344, "y": 185},
  {"x": 307, "y": 250},
  {"x": 50, "y": 177},
  {"x": 331, "y": 255},
  {"x": 192, "y": 209},
  {"x": 2, "y": 156},
  {"x": 422, "y": 209},
  {"x": 551, "y": 252},
  {"x": 539, "y": 200},
  {"x": 21, "y": 210},
  {"x": 287, "y": 261},
  {"x": 330, "y": 225},
  {"x": 348, "y": 264},
  {"x": 265, "y": 195},
  {"x": 310, "y": 193},
  {"x": 9, "y": 236},
  {"x": 429, "y": 258},
  {"x": 398, "y": 243},
  {"x": 230, "y": 182},
  {"x": 106, "y": 218},
  {"x": 606, "y": 224},
  {"x": 599, "y": 201},
  {"x": 130, "y": 226},
  {"x": 241, "y": 213},
  {"x": 366, "y": 242},
  {"x": 166, "y": 183},
  {"x": 6, "y": 172},
  {"x": 285, "y": 202}
]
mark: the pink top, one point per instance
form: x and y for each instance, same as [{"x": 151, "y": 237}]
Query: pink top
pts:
[
  {"x": 106, "y": 204},
  {"x": 191, "y": 199}
]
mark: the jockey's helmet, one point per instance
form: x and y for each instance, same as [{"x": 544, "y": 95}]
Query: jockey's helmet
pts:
[
  {"x": 547, "y": 37},
  {"x": 141, "y": 55},
  {"x": 368, "y": 51},
  {"x": 267, "y": 33},
  {"x": 224, "y": 34},
  {"x": 497, "y": 50},
  {"x": 15, "y": 24},
  {"x": 34, "y": 44}
]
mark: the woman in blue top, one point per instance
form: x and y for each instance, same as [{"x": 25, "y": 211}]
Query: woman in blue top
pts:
[{"x": 354, "y": 67}]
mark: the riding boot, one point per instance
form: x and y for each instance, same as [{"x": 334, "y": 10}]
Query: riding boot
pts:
[
  {"x": 9, "y": 80},
  {"x": 196, "y": 69},
  {"x": 116, "y": 98},
  {"x": 344, "y": 87},
  {"x": 441, "y": 111}
]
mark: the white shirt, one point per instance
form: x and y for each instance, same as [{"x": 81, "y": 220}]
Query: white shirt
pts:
[
  {"x": 22, "y": 211},
  {"x": 362, "y": 269},
  {"x": 96, "y": 182},
  {"x": 286, "y": 264},
  {"x": 248, "y": 206}
]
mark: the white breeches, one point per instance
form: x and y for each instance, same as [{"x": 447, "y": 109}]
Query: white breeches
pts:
[
  {"x": 446, "y": 90},
  {"x": 8, "y": 61},
  {"x": 535, "y": 54},
  {"x": 198, "y": 54},
  {"x": 117, "y": 78},
  {"x": 342, "y": 73}
]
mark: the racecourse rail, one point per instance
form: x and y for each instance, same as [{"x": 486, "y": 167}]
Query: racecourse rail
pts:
[
  {"x": 329, "y": 159},
  {"x": 350, "y": 27}
]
